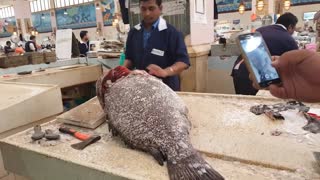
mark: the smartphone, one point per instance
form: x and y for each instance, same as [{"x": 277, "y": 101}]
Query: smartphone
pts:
[{"x": 257, "y": 58}]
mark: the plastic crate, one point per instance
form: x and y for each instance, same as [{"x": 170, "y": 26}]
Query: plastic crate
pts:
[
  {"x": 13, "y": 61},
  {"x": 35, "y": 57},
  {"x": 50, "y": 57}
]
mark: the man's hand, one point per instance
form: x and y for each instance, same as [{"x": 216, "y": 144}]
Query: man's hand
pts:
[
  {"x": 299, "y": 71},
  {"x": 157, "y": 71}
]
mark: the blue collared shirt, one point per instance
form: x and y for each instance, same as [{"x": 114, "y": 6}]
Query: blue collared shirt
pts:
[{"x": 147, "y": 34}]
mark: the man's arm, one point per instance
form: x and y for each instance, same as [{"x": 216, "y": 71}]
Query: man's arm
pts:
[
  {"x": 182, "y": 58},
  {"x": 127, "y": 63},
  {"x": 181, "y": 63},
  {"x": 173, "y": 70},
  {"x": 31, "y": 46},
  {"x": 176, "y": 68},
  {"x": 128, "y": 51}
]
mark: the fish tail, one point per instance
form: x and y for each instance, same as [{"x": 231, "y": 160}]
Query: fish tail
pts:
[{"x": 193, "y": 167}]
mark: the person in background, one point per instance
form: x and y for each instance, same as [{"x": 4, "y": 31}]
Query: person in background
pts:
[
  {"x": 84, "y": 43},
  {"x": 279, "y": 40},
  {"x": 7, "y": 48},
  {"x": 299, "y": 71},
  {"x": 19, "y": 50},
  {"x": 310, "y": 29},
  {"x": 278, "y": 37},
  {"x": 31, "y": 45},
  {"x": 156, "y": 46},
  {"x": 22, "y": 42}
]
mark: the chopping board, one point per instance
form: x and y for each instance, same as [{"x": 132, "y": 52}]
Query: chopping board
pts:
[{"x": 88, "y": 115}]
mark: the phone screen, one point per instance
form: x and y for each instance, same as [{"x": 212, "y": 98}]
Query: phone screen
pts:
[{"x": 259, "y": 59}]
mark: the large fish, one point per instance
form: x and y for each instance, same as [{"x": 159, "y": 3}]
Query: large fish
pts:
[{"x": 149, "y": 116}]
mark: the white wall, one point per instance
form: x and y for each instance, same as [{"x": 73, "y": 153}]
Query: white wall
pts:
[
  {"x": 202, "y": 33},
  {"x": 108, "y": 32},
  {"x": 244, "y": 18}
]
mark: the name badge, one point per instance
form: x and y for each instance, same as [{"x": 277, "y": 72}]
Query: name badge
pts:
[{"x": 157, "y": 52}]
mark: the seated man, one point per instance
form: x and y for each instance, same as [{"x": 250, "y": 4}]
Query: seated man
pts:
[
  {"x": 278, "y": 39},
  {"x": 7, "y": 48}
]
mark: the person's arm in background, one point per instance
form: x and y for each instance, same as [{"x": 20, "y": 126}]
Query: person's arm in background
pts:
[
  {"x": 299, "y": 71},
  {"x": 182, "y": 60},
  {"x": 31, "y": 46},
  {"x": 292, "y": 45},
  {"x": 129, "y": 54}
]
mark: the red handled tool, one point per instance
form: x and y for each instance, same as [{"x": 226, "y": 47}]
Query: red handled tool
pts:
[
  {"x": 74, "y": 133},
  {"x": 317, "y": 117},
  {"x": 85, "y": 138}
]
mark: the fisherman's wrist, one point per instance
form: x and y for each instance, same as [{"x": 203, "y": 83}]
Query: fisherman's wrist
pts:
[{"x": 169, "y": 71}]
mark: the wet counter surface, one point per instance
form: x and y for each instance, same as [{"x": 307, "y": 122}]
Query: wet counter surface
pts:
[{"x": 234, "y": 141}]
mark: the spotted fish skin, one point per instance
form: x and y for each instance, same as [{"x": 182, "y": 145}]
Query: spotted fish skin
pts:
[{"x": 149, "y": 116}]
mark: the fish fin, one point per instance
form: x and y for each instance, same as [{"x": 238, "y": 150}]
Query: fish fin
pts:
[
  {"x": 158, "y": 156},
  {"x": 193, "y": 167},
  {"x": 113, "y": 131}
]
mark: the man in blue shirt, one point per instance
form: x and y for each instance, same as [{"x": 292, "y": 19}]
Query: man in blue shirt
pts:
[
  {"x": 278, "y": 37},
  {"x": 156, "y": 46}
]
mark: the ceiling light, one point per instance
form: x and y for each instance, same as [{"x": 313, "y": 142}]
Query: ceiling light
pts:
[
  {"x": 242, "y": 8},
  {"x": 260, "y": 5},
  {"x": 287, "y": 4}
]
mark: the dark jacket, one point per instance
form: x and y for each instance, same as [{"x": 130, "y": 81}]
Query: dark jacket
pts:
[
  {"x": 277, "y": 39},
  {"x": 8, "y": 49},
  {"x": 165, "y": 47},
  {"x": 28, "y": 46},
  {"x": 83, "y": 48}
]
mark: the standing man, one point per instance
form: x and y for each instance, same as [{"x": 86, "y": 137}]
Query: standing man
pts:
[
  {"x": 31, "y": 45},
  {"x": 278, "y": 37},
  {"x": 156, "y": 46},
  {"x": 84, "y": 43}
]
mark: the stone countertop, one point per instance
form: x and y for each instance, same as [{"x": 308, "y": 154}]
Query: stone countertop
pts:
[{"x": 235, "y": 142}]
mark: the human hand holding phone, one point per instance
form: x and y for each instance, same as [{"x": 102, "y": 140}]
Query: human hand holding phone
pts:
[
  {"x": 299, "y": 71},
  {"x": 258, "y": 60}
]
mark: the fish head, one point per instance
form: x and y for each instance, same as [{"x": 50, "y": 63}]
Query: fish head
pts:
[{"x": 105, "y": 80}]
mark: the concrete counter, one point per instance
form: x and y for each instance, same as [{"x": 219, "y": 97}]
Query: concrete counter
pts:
[{"x": 235, "y": 142}]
